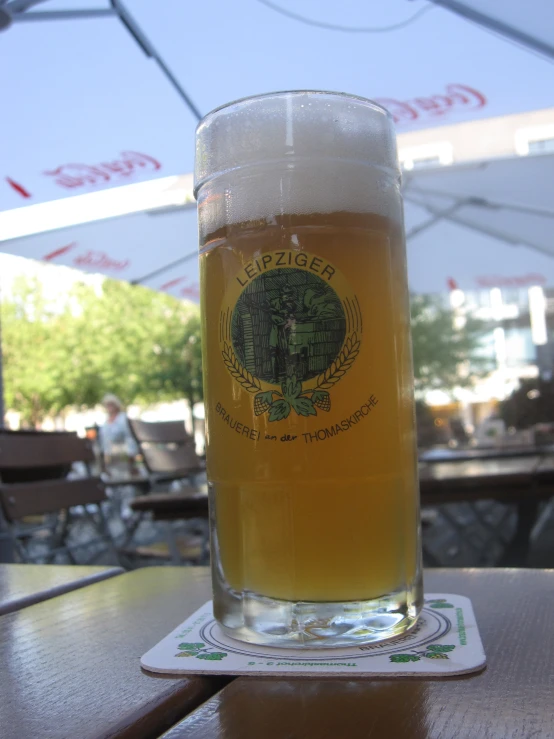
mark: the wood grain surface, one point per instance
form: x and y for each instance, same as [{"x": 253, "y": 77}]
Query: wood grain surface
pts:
[
  {"x": 23, "y": 585},
  {"x": 512, "y": 699},
  {"x": 70, "y": 665},
  {"x": 49, "y": 496},
  {"x": 21, "y": 451}
]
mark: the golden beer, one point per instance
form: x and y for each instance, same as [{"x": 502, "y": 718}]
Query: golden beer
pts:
[{"x": 308, "y": 385}]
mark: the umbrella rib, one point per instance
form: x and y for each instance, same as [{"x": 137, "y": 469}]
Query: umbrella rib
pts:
[
  {"x": 485, "y": 203},
  {"x": 480, "y": 228},
  {"x": 161, "y": 270},
  {"x": 493, "y": 24},
  {"x": 435, "y": 218},
  {"x": 117, "y": 10},
  {"x": 56, "y": 15},
  {"x": 146, "y": 45}
]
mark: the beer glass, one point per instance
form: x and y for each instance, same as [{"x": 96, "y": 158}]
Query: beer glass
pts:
[{"x": 308, "y": 381}]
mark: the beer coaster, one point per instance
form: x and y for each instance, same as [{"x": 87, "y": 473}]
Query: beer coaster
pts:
[{"x": 445, "y": 641}]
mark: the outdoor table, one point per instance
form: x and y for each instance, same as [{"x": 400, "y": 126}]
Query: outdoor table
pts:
[
  {"x": 23, "y": 585},
  {"x": 498, "y": 452},
  {"x": 511, "y": 699},
  {"x": 524, "y": 482},
  {"x": 70, "y": 665}
]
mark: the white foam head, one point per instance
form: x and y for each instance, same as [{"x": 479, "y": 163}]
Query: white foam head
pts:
[{"x": 297, "y": 152}]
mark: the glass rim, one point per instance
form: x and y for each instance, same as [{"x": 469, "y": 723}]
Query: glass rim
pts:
[{"x": 283, "y": 93}]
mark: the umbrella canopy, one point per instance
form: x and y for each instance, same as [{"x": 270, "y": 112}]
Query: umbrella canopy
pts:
[
  {"x": 481, "y": 225},
  {"x": 157, "y": 249},
  {"x": 98, "y": 114},
  {"x": 459, "y": 222},
  {"x": 89, "y": 110},
  {"x": 144, "y": 233}
]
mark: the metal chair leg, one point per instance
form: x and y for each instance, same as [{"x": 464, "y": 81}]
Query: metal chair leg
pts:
[
  {"x": 172, "y": 543},
  {"x": 104, "y": 530},
  {"x": 59, "y": 538}
]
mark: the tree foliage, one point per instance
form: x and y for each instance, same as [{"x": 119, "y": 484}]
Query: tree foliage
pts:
[
  {"x": 34, "y": 354},
  {"x": 141, "y": 345},
  {"x": 145, "y": 347},
  {"x": 445, "y": 356}
]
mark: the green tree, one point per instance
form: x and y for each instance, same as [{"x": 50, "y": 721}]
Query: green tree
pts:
[
  {"x": 178, "y": 370},
  {"x": 145, "y": 346},
  {"x": 445, "y": 356},
  {"x": 35, "y": 353},
  {"x": 126, "y": 338},
  {"x": 141, "y": 345}
]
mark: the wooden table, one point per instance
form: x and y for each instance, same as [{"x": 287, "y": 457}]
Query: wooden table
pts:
[
  {"x": 523, "y": 482},
  {"x": 23, "y": 585},
  {"x": 70, "y": 665},
  {"x": 512, "y": 699}
]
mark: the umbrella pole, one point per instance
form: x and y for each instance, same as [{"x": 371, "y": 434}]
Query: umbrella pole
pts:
[
  {"x": 1, "y": 373},
  {"x": 6, "y": 548}
]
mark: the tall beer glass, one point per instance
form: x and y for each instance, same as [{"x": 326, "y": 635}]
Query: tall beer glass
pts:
[{"x": 307, "y": 371}]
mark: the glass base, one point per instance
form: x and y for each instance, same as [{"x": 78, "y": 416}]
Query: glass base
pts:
[{"x": 257, "y": 619}]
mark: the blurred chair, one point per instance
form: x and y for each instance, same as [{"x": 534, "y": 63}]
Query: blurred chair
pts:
[
  {"x": 169, "y": 456},
  {"x": 168, "y": 452},
  {"x": 34, "y": 485}
]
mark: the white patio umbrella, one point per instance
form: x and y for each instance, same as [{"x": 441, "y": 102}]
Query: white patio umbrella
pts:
[
  {"x": 460, "y": 221},
  {"x": 129, "y": 248},
  {"x": 144, "y": 233},
  {"x": 118, "y": 119},
  {"x": 87, "y": 107}
]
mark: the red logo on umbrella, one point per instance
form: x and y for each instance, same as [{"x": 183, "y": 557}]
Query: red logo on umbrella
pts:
[
  {"x": 60, "y": 251},
  {"x": 172, "y": 283},
  {"x": 78, "y": 174},
  {"x": 101, "y": 261},
  {"x": 18, "y": 188},
  {"x": 455, "y": 98}
]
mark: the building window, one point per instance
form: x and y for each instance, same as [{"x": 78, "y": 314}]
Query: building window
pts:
[
  {"x": 426, "y": 155},
  {"x": 425, "y": 162},
  {"x": 515, "y": 296},
  {"x": 520, "y": 349},
  {"x": 535, "y": 139},
  {"x": 541, "y": 145}
]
